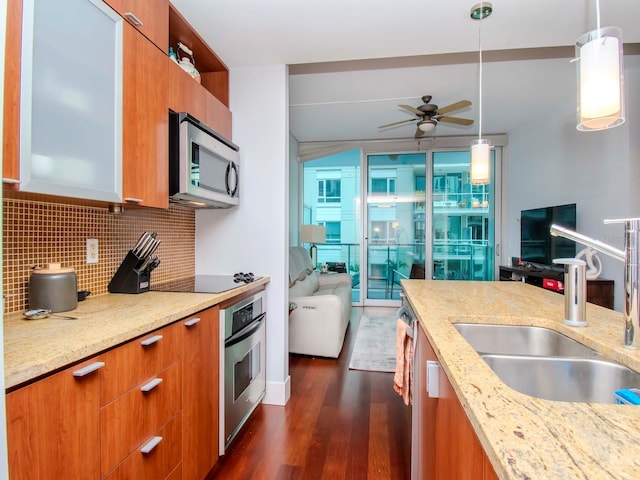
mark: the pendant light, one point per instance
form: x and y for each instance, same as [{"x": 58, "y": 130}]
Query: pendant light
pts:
[
  {"x": 480, "y": 148},
  {"x": 600, "y": 78}
]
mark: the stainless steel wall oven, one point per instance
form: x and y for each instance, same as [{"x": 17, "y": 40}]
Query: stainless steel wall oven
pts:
[{"x": 242, "y": 364}]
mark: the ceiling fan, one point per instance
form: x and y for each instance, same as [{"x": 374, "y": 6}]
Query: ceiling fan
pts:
[{"x": 428, "y": 115}]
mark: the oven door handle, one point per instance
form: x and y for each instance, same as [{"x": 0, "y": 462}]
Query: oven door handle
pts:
[{"x": 246, "y": 332}]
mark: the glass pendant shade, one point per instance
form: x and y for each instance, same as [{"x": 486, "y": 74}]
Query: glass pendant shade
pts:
[
  {"x": 600, "y": 79},
  {"x": 480, "y": 161}
]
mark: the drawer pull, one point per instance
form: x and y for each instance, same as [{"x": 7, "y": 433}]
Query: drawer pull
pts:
[
  {"x": 133, "y": 200},
  {"x": 151, "y": 385},
  {"x": 150, "y": 445},
  {"x": 88, "y": 369},
  {"x": 151, "y": 340},
  {"x": 133, "y": 19},
  {"x": 10, "y": 180},
  {"x": 192, "y": 322}
]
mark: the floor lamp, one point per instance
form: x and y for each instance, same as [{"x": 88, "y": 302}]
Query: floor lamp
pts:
[{"x": 313, "y": 234}]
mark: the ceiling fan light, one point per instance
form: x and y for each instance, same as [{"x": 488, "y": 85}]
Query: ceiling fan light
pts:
[
  {"x": 426, "y": 125},
  {"x": 480, "y": 162},
  {"x": 600, "y": 79}
]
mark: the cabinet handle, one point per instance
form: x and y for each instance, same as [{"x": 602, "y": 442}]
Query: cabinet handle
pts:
[
  {"x": 151, "y": 340},
  {"x": 88, "y": 369},
  {"x": 433, "y": 377},
  {"x": 133, "y": 19},
  {"x": 151, "y": 385},
  {"x": 150, "y": 445},
  {"x": 10, "y": 180},
  {"x": 192, "y": 322},
  {"x": 133, "y": 199}
]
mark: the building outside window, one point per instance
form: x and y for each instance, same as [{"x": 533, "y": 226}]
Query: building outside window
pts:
[
  {"x": 332, "y": 231},
  {"x": 329, "y": 190}
]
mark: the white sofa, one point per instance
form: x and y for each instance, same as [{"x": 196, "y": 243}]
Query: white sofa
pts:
[{"x": 321, "y": 307}]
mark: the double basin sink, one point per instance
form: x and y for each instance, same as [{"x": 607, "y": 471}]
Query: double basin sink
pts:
[{"x": 546, "y": 364}]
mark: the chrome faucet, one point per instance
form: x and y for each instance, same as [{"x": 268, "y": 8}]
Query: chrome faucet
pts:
[{"x": 631, "y": 258}]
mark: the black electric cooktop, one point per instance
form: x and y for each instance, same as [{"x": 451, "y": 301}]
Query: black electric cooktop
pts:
[{"x": 205, "y": 283}]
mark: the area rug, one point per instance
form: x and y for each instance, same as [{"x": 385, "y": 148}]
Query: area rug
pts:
[{"x": 375, "y": 345}]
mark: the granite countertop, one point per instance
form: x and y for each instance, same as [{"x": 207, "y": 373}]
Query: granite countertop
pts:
[
  {"x": 36, "y": 347},
  {"x": 526, "y": 437}
]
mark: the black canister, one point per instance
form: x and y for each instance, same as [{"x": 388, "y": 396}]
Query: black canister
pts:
[{"x": 53, "y": 288}]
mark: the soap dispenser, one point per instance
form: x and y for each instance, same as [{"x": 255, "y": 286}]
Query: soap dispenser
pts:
[{"x": 575, "y": 291}]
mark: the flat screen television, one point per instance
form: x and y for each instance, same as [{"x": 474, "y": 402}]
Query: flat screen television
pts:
[{"x": 537, "y": 245}]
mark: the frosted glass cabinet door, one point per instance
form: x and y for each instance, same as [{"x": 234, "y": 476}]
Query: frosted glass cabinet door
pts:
[{"x": 71, "y": 100}]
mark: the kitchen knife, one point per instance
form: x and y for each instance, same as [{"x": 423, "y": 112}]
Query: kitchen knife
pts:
[
  {"x": 148, "y": 248},
  {"x": 145, "y": 247},
  {"x": 136, "y": 249}
]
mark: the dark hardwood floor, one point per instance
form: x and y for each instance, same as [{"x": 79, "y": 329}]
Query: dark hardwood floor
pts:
[{"x": 338, "y": 424}]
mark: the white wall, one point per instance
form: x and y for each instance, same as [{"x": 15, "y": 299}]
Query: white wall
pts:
[
  {"x": 550, "y": 163},
  {"x": 253, "y": 237}
]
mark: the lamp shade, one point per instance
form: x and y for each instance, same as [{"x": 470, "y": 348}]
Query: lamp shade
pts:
[
  {"x": 600, "y": 79},
  {"x": 480, "y": 162},
  {"x": 312, "y": 234}
]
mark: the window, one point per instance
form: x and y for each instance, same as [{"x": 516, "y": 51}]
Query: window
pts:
[
  {"x": 332, "y": 232},
  {"x": 329, "y": 190},
  {"x": 383, "y": 185},
  {"x": 382, "y": 232}
]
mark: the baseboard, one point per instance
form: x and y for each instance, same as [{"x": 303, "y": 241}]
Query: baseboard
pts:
[{"x": 278, "y": 393}]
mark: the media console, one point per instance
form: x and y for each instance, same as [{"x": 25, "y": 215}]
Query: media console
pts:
[{"x": 599, "y": 292}]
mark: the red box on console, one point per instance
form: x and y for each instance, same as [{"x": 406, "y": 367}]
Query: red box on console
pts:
[{"x": 555, "y": 285}]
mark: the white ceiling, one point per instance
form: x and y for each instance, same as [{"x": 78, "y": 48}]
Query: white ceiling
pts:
[{"x": 420, "y": 47}]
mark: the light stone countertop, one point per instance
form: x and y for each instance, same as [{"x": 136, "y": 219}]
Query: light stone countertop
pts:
[
  {"x": 526, "y": 437},
  {"x": 36, "y": 347}
]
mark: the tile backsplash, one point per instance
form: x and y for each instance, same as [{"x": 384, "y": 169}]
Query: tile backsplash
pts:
[{"x": 37, "y": 233}]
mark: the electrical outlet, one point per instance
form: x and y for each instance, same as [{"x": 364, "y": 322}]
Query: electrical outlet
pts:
[{"x": 92, "y": 250}]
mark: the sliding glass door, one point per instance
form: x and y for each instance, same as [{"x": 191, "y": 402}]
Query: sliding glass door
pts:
[
  {"x": 394, "y": 236},
  {"x": 408, "y": 215},
  {"x": 463, "y": 220}
]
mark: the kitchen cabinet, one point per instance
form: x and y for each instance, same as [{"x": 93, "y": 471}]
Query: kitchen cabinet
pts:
[
  {"x": 209, "y": 101},
  {"x": 187, "y": 95},
  {"x": 11, "y": 107},
  {"x": 141, "y": 395},
  {"x": 150, "y": 18},
  {"x": 53, "y": 425},
  {"x": 145, "y": 177},
  {"x": 70, "y": 100},
  {"x": 200, "y": 393},
  {"x": 447, "y": 446}
]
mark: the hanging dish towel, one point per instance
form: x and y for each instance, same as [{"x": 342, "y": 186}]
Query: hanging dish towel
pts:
[{"x": 403, "y": 378}]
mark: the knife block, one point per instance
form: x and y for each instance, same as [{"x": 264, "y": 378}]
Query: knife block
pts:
[{"x": 128, "y": 279}]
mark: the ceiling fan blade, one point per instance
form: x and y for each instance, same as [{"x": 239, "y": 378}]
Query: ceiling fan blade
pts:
[
  {"x": 454, "y": 106},
  {"x": 412, "y": 110},
  {"x": 397, "y": 123},
  {"x": 456, "y": 120},
  {"x": 419, "y": 133}
]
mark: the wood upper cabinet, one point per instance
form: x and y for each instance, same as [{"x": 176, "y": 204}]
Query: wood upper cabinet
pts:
[
  {"x": 11, "y": 113},
  {"x": 145, "y": 137},
  {"x": 53, "y": 426},
  {"x": 200, "y": 394},
  {"x": 447, "y": 444},
  {"x": 151, "y": 18}
]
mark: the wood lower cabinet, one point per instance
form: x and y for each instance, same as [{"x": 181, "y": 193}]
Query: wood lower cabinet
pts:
[
  {"x": 145, "y": 136},
  {"x": 53, "y": 426},
  {"x": 447, "y": 446},
  {"x": 147, "y": 409},
  {"x": 200, "y": 394}
]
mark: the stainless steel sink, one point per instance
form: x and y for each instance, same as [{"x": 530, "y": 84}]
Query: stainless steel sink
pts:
[
  {"x": 563, "y": 379},
  {"x": 522, "y": 340},
  {"x": 545, "y": 364}
]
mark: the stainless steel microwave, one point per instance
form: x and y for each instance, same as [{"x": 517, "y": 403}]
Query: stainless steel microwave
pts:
[{"x": 204, "y": 167}]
